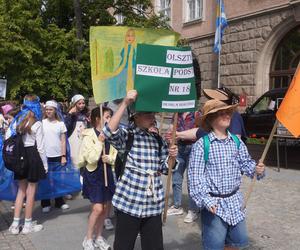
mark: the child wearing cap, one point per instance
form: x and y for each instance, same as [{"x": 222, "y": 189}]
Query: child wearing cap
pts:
[
  {"x": 76, "y": 121},
  {"x": 55, "y": 144},
  {"x": 217, "y": 162}
]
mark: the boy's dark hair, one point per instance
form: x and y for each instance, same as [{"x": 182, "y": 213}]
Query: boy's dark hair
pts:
[{"x": 96, "y": 114}]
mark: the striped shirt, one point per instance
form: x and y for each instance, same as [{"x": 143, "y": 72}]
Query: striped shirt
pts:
[
  {"x": 139, "y": 192},
  {"x": 222, "y": 174}
]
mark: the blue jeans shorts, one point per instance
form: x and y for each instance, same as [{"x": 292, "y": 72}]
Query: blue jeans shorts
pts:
[{"x": 216, "y": 233}]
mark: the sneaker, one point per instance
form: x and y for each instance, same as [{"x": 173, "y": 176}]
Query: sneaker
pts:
[
  {"x": 65, "y": 206},
  {"x": 108, "y": 224},
  {"x": 102, "y": 243},
  {"x": 88, "y": 244},
  {"x": 14, "y": 229},
  {"x": 173, "y": 210},
  {"x": 46, "y": 209},
  {"x": 190, "y": 217},
  {"x": 32, "y": 228}
]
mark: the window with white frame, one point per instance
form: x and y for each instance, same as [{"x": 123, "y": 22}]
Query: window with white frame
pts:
[
  {"x": 164, "y": 8},
  {"x": 193, "y": 9}
]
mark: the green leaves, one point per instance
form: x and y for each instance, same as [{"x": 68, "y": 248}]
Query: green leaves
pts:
[{"x": 39, "y": 48}]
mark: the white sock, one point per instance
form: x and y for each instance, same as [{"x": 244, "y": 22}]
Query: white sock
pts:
[
  {"x": 16, "y": 222},
  {"x": 27, "y": 222}
]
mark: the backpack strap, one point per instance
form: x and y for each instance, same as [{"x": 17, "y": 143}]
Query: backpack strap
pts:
[
  {"x": 206, "y": 147},
  {"x": 129, "y": 143},
  {"x": 236, "y": 140},
  {"x": 160, "y": 142}
]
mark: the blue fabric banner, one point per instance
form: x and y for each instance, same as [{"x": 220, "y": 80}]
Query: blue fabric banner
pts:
[{"x": 59, "y": 182}]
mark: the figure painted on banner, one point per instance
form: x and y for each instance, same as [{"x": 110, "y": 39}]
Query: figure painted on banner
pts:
[
  {"x": 92, "y": 157},
  {"x": 217, "y": 162},
  {"x": 55, "y": 145},
  {"x": 122, "y": 79},
  {"x": 76, "y": 121},
  {"x": 28, "y": 123}
]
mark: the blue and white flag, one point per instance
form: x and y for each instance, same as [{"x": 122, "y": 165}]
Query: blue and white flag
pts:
[{"x": 221, "y": 24}]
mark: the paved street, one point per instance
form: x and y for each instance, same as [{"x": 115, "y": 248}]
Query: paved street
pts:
[{"x": 273, "y": 221}]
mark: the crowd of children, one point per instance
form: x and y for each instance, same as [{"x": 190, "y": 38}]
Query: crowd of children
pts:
[{"x": 209, "y": 147}]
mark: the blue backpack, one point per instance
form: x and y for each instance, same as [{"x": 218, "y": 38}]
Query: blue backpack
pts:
[{"x": 207, "y": 145}]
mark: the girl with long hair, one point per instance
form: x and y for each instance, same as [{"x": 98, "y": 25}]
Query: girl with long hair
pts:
[
  {"x": 55, "y": 137},
  {"x": 28, "y": 123},
  {"x": 93, "y": 187}
]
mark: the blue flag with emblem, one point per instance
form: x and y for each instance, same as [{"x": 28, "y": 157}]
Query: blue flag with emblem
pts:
[{"x": 221, "y": 24}]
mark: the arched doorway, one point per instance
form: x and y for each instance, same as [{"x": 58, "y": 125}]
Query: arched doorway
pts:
[
  {"x": 285, "y": 59},
  {"x": 267, "y": 56}
]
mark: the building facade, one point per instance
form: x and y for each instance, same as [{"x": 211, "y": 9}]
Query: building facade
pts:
[{"x": 260, "y": 48}]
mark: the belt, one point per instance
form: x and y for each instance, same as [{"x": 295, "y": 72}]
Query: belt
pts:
[{"x": 224, "y": 195}]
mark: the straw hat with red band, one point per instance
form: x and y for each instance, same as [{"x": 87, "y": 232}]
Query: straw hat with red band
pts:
[{"x": 213, "y": 106}]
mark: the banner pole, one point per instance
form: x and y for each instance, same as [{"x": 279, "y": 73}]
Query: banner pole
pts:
[
  {"x": 171, "y": 163},
  {"x": 261, "y": 160},
  {"x": 103, "y": 146}
]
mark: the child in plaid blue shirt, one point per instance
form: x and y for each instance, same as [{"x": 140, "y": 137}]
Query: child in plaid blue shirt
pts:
[
  {"x": 214, "y": 174},
  {"x": 139, "y": 196}
]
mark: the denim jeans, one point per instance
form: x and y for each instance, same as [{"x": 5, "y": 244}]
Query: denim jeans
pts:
[
  {"x": 177, "y": 180},
  {"x": 216, "y": 233}
]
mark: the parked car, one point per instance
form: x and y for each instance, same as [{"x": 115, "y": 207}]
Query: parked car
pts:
[{"x": 259, "y": 118}]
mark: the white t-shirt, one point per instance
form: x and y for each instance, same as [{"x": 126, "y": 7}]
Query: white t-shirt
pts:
[{"x": 52, "y": 133}]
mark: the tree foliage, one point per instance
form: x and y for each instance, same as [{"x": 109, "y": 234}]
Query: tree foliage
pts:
[{"x": 39, "y": 46}]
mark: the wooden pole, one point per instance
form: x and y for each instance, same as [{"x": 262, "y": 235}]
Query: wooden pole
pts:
[
  {"x": 103, "y": 146},
  {"x": 261, "y": 160},
  {"x": 171, "y": 163}
]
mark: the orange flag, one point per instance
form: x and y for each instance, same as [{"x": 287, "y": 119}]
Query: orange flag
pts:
[{"x": 289, "y": 111}]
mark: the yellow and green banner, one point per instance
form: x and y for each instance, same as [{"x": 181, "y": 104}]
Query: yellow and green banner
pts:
[{"x": 113, "y": 57}]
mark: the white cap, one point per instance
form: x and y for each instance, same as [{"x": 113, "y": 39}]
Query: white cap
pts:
[
  {"x": 76, "y": 98},
  {"x": 51, "y": 104}
]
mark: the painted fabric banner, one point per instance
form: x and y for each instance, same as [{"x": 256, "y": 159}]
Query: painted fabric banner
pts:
[
  {"x": 113, "y": 57},
  {"x": 164, "y": 79}
]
